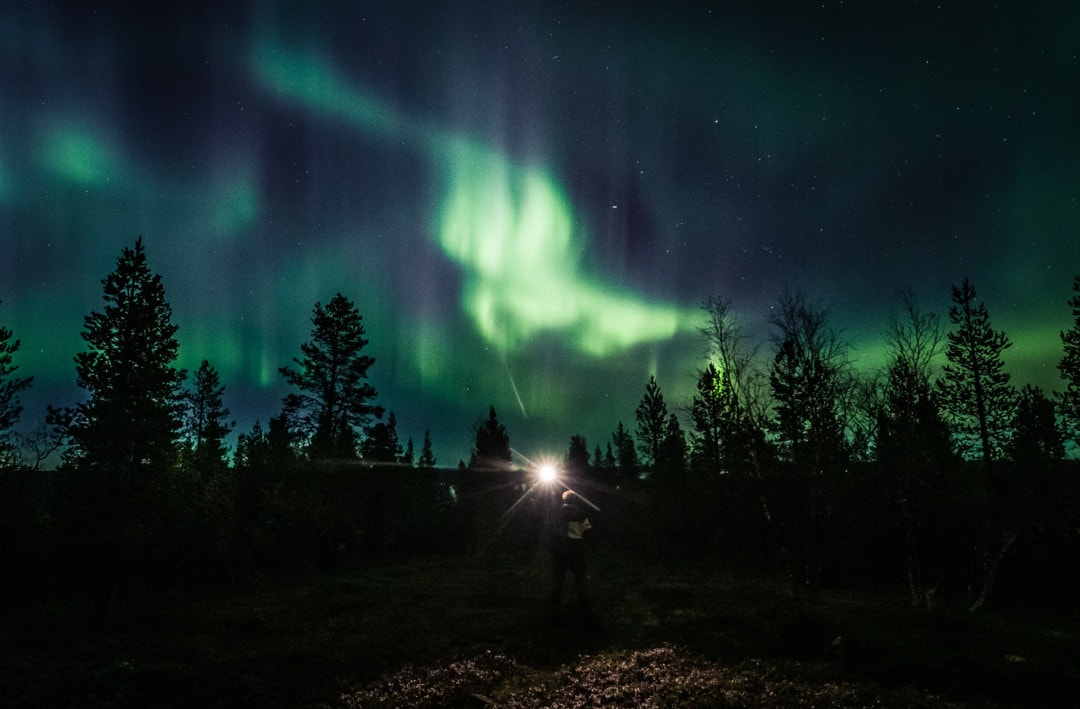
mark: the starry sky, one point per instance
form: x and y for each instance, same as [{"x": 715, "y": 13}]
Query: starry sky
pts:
[{"x": 529, "y": 201}]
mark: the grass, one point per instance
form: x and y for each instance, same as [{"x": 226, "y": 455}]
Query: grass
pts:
[{"x": 469, "y": 631}]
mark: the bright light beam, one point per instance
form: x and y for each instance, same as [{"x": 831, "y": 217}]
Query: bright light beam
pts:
[
  {"x": 547, "y": 473},
  {"x": 581, "y": 497}
]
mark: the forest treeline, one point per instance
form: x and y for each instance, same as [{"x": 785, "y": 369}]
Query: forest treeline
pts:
[{"x": 937, "y": 475}]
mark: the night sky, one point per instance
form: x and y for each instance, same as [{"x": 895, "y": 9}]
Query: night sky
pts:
[{"x": 529, "y": 202}]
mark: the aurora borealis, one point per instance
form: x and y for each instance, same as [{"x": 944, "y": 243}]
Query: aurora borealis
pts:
[{"x": 528, "y": 202}]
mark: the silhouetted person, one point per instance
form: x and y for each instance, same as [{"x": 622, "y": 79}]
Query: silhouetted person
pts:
[{"x": 568, "y": 548}]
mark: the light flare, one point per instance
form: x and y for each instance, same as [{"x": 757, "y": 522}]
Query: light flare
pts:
[{"x": 547, "y": 473}]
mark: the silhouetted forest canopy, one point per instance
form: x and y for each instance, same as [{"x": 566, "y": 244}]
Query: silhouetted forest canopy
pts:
[{"x": 937, "y": 475}]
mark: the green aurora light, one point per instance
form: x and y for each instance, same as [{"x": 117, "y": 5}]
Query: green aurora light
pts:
[{"x": 509, "y": 227}]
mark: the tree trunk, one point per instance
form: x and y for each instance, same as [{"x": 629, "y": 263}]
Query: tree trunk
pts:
[{"x": 991, "y": 573}]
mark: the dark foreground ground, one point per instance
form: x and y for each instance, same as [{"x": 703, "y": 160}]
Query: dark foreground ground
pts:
[{"x": 441, "y": 632}]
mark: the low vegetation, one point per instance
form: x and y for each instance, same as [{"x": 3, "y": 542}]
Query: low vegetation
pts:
[{"x": 476, "y": 631}]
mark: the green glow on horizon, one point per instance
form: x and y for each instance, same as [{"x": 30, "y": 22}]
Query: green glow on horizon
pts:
[
  {"x": 1034, "y": 345},
  {"x": 508, "y": 226}
]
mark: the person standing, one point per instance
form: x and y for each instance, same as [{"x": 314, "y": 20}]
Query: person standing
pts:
[{"x": 571, "y": 525}]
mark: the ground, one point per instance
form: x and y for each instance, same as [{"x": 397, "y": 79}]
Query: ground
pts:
[{"x": 477, "y": 631}]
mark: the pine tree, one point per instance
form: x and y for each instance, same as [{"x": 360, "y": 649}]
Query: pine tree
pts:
[
  {"x": 609, "y": 464},
  {"x": 603, "y": 465},
  {"x": 10, "y": 387},
  {"x": 626, "y": 460},
  {"x": 711, "y": 411},
  {"x": 333, "y": 407},
  {"x": 673, "y": 449},
  {"x": 381, "y": 445},
  {"x": 281, "y": 442},
  {"x": 1036, "y": 438},
  {"x": 206, "y": 424},
  {"x": 577, "y": 458},
  {"x": 427, "y": 457},
  {"x": 975, "y": 390},
  {"x": 492, "y": 449},
  {"x": 652, "y": 423},
  {"x": 132, "y": 417},
  {"x": 250, "y": 447},
  {"x": 269, "y": 452},
  {"x": 1068, "y": 401}
]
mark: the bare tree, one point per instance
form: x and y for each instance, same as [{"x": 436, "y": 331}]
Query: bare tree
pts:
[
  {"x": 736, "y": 359},
  {"x": 808, "y": 376},
  {"x": 914, "y": 451},
  {"x": 810, "y": 370}
]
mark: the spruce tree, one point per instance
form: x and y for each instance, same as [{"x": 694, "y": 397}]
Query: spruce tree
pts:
[
  {"x": 207, "y": 423},
  {"x": 577, "y": 458},
  {"x": 10, "y": 387},
  {"x": 132, "y": 417},
  {"x": 626, "y": 460},
  {"x": 710, "y": 410},
  {"x": 652, "y": 422},
  {"x": 1036, "y": 438},
  {"x": 268, "y": 452},
  {"x": 427, "y": 457},
  {"x": 603, "y": 465},
  {"x": 975, "y": 389},
  {"x": 250, "y": 448},
  {"x": 381, "y": 444},
  {"x": 673, "y": 449},
  {"x": 333, "y": 406},
  {"x": 492, "y": 449},
  {"x": 281, "y": 442},
  {"x": 1068, "y": 401},
  {"x": 608, "y": 464}
]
